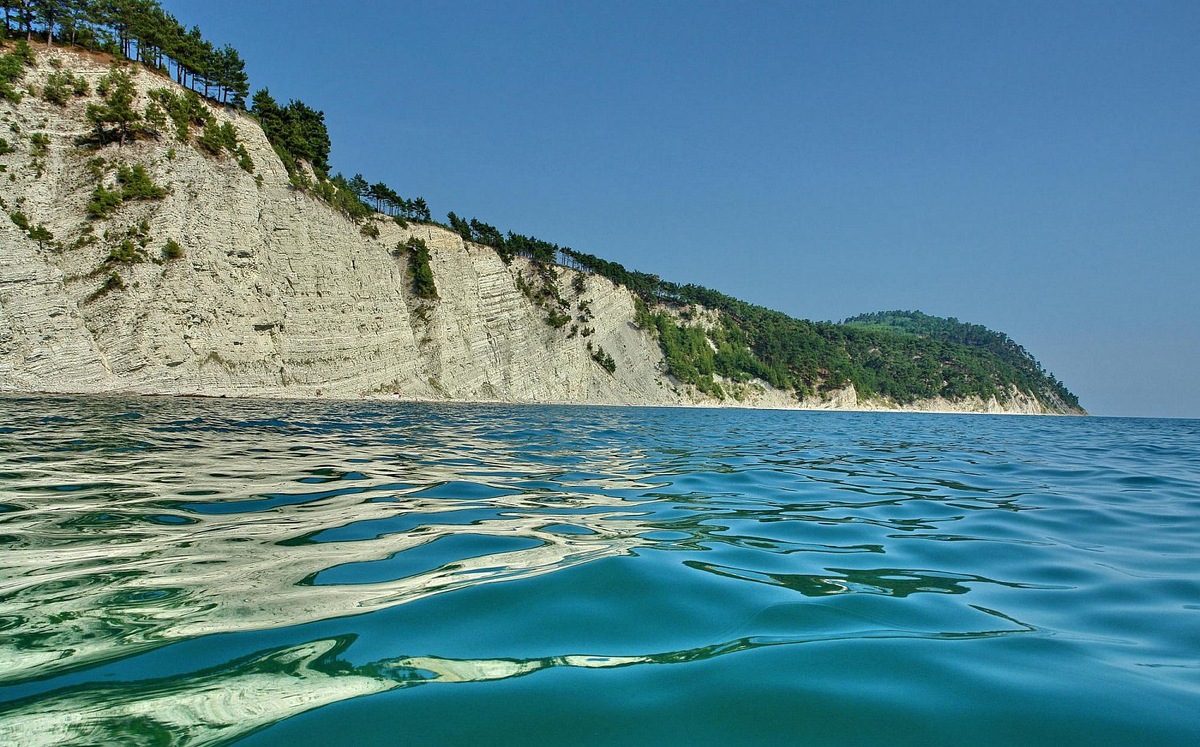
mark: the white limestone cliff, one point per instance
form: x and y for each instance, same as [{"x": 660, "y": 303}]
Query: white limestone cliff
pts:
[{"x": 278, "y": 295}]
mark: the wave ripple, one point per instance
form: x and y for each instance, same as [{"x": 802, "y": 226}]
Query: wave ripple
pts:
[{"x": 236, "y": 565}]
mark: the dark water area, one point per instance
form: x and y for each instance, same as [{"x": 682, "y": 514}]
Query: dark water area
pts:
[{"x": 180, "y": 571}]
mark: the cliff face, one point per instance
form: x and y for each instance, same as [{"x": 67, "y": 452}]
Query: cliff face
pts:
[{"x": 276, "y": 294}]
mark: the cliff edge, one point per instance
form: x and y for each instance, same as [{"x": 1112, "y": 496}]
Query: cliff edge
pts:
[{"x": 161, "y": 266}]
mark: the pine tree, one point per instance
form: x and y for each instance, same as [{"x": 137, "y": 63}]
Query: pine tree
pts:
[
  {"x": 50, "y": 12},
  {"x": 270, "y": 116},
  {"x": 359, "y": 186},
  {"x": 41, "y": 235},
  {"x": 117, "y": 92},
  {"x": 231, "y": 76}
]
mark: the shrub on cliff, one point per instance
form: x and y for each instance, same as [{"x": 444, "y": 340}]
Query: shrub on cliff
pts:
[
  {"x": 185, "y": 110},
  {"x": 116, "y": 109},
  {"x": 60, "y": 86},
  {"x": 136, "y": 185},
  {"x": 603, "y": 358},
  {"x": 127, "y": 252},
  {"x": 113, "y": 282},
  {"x": 216, "y": 138},
  {"x": 12, "y": 70},
  {"x": 420, "y": 274},
  {"x": 341, "y": 196},
  {"x": 41, "y": 235},
  {"x": 40, "y": 143},
  {"x": 133, "y": 184},
  {"x": 103, "y": 203}
]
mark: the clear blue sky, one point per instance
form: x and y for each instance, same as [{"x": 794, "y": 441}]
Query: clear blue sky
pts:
[{"x": 1030, "y": 166}]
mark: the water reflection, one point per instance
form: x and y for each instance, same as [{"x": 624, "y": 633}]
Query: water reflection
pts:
[
  {"x": 133, "y": 525},
  {"x": 134, "y": 529},
  {"x": 71, "y": 601},
  {"x": 218, "y": 706},
  {"x": 892, "y": 582}
]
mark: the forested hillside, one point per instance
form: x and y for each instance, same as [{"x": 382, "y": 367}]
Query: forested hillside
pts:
[
  {"x": 901, "y": 356},
  {"x": 1008, "y": 359}
]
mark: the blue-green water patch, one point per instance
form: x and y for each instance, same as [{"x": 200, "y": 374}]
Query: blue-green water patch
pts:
[
  {"x": 361, "y": 573},
  {"x": 443, "y": 552}
]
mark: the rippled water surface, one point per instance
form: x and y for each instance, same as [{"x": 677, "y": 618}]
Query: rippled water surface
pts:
[{"x": 178, "y": 571}]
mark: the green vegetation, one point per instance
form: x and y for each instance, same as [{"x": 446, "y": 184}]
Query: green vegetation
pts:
[
  {"x": 687, "y": 354},
  {"x": 12, "y": 70},
  {"x": 214, "y": 139},
  {"x": 507, "y": 246},
  {"x": 126, "y": 252},
  {"x": 604, "y": 359},
  {"x": 103, "y": 203},
  {"x": 337, "y": 192},
  {"x": 39, "y": 148},
  {"x": 300, "y": 138},
  {"x": 544, "y": 292},
  {"x": 879, "y": 357},
  {"x": 1004, "y": 356},
  {"x": 136, "y": 185},
  {"x": 186, "y": 111},
  {"x": 114, "y": 282},
  {"x": 296, "y": 131},
  {"x": 172, "y": 250},
  {"x": 383, "y": 199},
  {"x": 138, "y": 30},
  {"x": 132, "y": 247},
  {"x": 142, "y": 31},
  {"x": 419, "y": 272},
  {"x": 61, "y": 86},
  {"x": 87, "y": 236},
  {"x": 38, "y": 233},
  {"x": 557, "y": 319},
  {"x": 133, "y": 183},
  {"x": 114, "y": 117},
  {"x": 41, "y": 235},
  {"x": 40, "y": 143}
]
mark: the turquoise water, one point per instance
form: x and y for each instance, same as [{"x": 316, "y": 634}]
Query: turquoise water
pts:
[{"x": 177, "y": 571}]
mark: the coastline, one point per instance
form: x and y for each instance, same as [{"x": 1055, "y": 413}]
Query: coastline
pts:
[
  {"x": 938, "y": 408},
  {"x": 273, "y": 293}
]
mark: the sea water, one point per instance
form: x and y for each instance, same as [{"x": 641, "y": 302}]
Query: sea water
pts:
[{"x": 184, "y": 571}]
